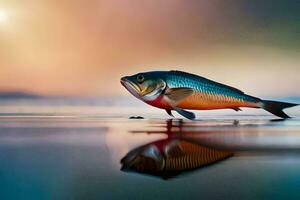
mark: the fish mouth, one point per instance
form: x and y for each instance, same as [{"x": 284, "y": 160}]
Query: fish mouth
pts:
[{"x": 130, "y": 86}]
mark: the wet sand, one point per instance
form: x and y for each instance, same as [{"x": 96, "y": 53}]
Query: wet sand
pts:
[{"x": 54, "y": 154}]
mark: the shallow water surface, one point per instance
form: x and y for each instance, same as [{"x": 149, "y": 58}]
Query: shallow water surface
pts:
[{"x": 54, "y": 155}]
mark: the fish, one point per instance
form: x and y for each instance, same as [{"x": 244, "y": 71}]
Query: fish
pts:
[
  {"x": 181, "y": 91},
  {"x": 168, "y": 158}
]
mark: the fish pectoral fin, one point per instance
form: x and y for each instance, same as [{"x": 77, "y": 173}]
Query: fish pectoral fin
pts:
[
  {"x": 175, "y": 95},
  {"x": 237, "y": 109},
  {"x": 169, "y": 112},
  {"x": 186, "y": 114},
  {"x": 174, "y": 149}
]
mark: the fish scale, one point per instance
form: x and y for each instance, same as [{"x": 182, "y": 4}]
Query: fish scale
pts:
[
  {"x": 208, "y": 94},
  {"x": 192, "y": 156},
  {"x": 202, "y": 85}
]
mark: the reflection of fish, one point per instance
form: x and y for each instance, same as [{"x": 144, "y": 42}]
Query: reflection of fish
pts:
[
  {"x": 175, "y": 90},
  {"x": 170, "y": 157}
]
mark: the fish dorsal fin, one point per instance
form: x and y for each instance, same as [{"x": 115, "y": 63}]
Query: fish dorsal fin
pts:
[{"x": 178, "y": 94}]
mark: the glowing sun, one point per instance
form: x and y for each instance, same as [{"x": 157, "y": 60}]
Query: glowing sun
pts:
[{"x": 3, "y": 16}]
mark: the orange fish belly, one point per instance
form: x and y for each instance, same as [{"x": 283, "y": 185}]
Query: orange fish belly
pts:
[{"x": 207, "y": 101}]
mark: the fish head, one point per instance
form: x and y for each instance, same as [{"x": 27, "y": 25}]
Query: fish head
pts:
[
  {"x": 144, "y": 160},
  {"x": 145, "y": 86}
]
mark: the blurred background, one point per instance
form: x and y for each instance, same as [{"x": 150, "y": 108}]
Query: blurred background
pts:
[
  {"x": 82, "y": 48},
  {"x": 66, "y": 121}
]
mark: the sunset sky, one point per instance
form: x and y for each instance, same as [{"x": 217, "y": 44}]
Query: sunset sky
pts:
[{"x": 82, "y": 48}]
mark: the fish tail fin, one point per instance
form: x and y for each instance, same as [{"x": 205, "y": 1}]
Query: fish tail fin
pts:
[{"x": 276, "y": 108}]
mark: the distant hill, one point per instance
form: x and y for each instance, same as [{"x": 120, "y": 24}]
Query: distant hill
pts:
[{"x": 18, "y": 95}]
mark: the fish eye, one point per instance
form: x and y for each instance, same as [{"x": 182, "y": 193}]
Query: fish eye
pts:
[{"x": 140, "y": 78}]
